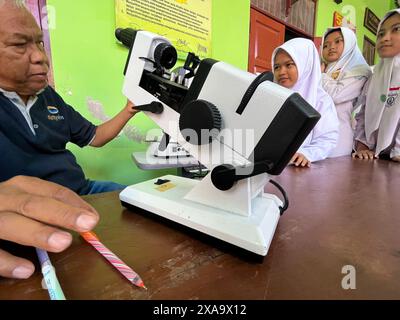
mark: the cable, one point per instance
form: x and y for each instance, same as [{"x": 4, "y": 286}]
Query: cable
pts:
[{"x": 280, "y": 188}]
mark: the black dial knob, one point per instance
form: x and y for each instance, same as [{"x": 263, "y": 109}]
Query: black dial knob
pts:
[{"x": 200, "y": 122}]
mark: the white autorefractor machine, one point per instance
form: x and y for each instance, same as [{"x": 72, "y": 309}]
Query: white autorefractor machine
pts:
[{"x": 241, "y": 127}]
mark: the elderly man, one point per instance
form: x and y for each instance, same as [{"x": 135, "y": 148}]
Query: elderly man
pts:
[
  {"x": 35, "y": 122},
  {"x": 35, "y": 125}
]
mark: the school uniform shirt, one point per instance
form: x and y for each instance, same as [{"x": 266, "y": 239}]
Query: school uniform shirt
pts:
[
  {"x": 344, "y": 81},
  {"x": 33, "y": 139},
  {"x": 379, "y": 118},
  {"x": 323, "y": 138}
]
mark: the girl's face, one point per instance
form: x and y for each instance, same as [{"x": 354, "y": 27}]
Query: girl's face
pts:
[
  {"x": 388, "y": 41},
  {"x": 333, "y": 47},
  {"x": 285, "y": 70}
]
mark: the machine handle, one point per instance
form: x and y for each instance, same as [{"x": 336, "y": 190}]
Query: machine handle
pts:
[
  {"x": 154, "y": 107},
  {"x": 224, "y": 176}
]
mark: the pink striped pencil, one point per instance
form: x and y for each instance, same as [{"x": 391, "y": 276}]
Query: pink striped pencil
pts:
[{"x": 121, "y": 266}]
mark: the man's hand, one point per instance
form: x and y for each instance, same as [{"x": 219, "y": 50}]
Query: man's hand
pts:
[
  {"x": 396, "y": 158},
  {"x": 30, "y": 212},
  {"x": 363, "y": 152},
  {"x": 300, "y": 160}
]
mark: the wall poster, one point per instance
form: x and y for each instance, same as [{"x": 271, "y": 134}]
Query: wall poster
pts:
[{"x": 186, "y": 23}]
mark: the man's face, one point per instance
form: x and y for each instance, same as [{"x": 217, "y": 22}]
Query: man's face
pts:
[
  {"x": 333, "y": 47},
  {"x": 24, "y": 64},
  {"x": 389, "y": 37}
]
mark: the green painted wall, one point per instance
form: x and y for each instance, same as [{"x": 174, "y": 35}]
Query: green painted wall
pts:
[
  {"x": 231, "y": 28},
  {"x": 354, "y": 10},
  {"x": 88, "y": 64}
]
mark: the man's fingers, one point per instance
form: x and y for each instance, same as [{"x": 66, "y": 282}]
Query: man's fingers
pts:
[
  {"x": 48, "y": 189},
  {"x": 32, "y": 233},
  {"x": 49, "y": 210},
  {"x": 14, "y": 267}
]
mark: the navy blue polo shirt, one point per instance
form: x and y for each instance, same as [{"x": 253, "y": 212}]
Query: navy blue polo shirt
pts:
[{"x": 43, "y": 155}]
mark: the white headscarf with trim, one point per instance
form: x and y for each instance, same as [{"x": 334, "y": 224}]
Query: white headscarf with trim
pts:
[
  {"x": 351, "y": 63},
  {"x": 382, "y": 109}
]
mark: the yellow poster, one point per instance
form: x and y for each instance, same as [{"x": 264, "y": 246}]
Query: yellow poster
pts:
[{"x": 186, "y": 23}]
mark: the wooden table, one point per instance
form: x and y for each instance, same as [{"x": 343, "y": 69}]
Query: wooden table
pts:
[{"x": 342, "y": 212}]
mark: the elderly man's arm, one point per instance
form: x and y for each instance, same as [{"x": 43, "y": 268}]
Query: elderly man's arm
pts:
[{"x": 32, "y": 213}]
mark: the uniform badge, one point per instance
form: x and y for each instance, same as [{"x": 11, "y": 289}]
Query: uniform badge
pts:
[
  {"x": 392, "y": 96},
  {"x": 335, "y": 74}
]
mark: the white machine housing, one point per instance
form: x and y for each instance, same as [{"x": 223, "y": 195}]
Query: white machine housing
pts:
[{"x": 244, "y": 215}]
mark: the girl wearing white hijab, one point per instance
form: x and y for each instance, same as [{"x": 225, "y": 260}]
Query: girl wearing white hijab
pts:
[
  {"x": 297, "y": 66},
  {"x": 377, "y": 132},
  {"x": 346, "y": 73}
]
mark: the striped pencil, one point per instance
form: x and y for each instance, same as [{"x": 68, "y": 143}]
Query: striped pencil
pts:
[{"x": 121, "y": 266}]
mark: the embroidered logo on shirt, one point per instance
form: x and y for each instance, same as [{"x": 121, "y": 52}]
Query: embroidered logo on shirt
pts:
[
  {"x": 54, "y": 114},
  {"x": 52, "y": 110},
  {"x": 392, "y": 96}
]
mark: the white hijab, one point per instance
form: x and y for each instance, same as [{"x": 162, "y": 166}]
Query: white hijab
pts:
[
  {"x": 382, "y": 112},
  {"x": 351, "y": 63},
  {"x": 305, "y": 56}
]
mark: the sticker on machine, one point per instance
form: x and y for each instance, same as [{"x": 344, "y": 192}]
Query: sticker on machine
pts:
[{"x": 165, "y": 187}]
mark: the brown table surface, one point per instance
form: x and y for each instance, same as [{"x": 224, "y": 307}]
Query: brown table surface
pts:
[{"x": 342, "y": 212}]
